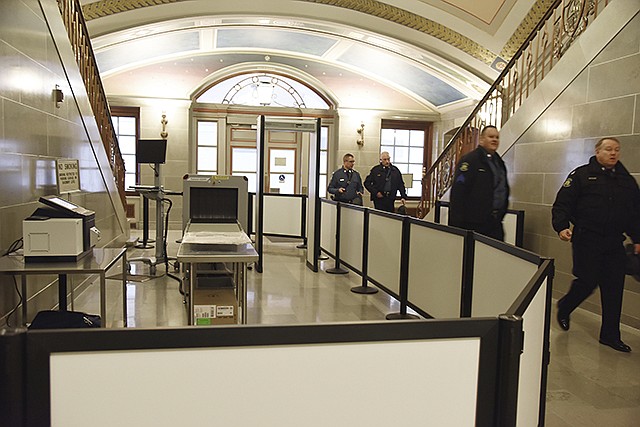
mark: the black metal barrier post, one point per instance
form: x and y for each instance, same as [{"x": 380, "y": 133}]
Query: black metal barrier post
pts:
[
  {"x": 12, "y": 380},
  {"x": 303, "y": 231},
  {"x": 404, "y": 274},
  {"x": 337, "y": 269},
  {"x": 365, "y": 289},
  {"x": 511, "y": 347}
]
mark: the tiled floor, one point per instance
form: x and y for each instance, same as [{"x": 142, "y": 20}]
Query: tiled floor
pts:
[{"x": 588, "y": 384}]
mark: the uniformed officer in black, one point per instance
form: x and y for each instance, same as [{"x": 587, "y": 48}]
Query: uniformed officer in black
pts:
[
  {"x": 384, "y": 182},
  {"x": 346, "y": 184},
  {"x": 602, "y": 201},
  {"x": 480, "y": 191}
]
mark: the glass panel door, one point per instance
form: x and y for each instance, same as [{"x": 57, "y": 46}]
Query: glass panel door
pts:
[{"x": 282, "y": 170}]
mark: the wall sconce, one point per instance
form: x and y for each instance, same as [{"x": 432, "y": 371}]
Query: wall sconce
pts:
[
  {"x": 58, "y": 96},
  {"x": 360, "y": 140},
  {"x": 164, "y": 134}
]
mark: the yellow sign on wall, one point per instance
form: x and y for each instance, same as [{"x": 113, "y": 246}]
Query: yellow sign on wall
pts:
[{"x": 68, "y": 175}]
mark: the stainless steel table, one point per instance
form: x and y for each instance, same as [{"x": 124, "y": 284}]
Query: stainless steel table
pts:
[
  {"x": 97, "y": 262},
  {"x": 217, "y": 242}
]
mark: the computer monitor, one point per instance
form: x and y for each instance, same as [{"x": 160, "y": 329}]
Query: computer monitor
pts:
[{"x": 151, "y": 151}]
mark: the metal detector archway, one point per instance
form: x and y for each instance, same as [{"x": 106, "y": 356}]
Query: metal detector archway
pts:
[{"x": 311, "y": 126}]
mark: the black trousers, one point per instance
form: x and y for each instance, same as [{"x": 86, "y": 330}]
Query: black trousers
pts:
[
  {"x": 385, "y": 203},
  {"x": 596, "y": 264},
  {"x": 492, "y": 228}
]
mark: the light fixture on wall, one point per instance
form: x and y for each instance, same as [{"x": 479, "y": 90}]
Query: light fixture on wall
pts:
[
  {"x": 164, "y": 134},
  {"x": 360, "y": 140},
  {"x": 58, "y": 96}
]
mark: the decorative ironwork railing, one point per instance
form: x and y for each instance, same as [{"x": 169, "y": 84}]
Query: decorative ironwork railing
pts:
[
  {"x": 557, "y": 30},
  {"x": 71, "y": 12}
]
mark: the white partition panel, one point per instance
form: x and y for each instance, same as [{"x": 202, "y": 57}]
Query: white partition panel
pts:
[
  {"x": 531, "y": 361},
  {"x": 435, "y": 271},
  {"x": 385, "y": 244},
  {"x": 351, "y": 229},
  {"x": 510, "y": 226},
  {"x": 498, "y": 278},
  {"x": 282, "y": 215},
  {"x": 328, "y": 215},
  {"x": 293, "y": 385}
]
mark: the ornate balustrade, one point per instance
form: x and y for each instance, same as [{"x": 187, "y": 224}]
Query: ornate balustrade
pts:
[
  {"x": 71, "y": 12},
  {"x": 557, "y": 30}
]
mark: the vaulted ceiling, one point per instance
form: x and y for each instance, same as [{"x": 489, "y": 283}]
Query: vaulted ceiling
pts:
[{"x": 413, "y": 55}]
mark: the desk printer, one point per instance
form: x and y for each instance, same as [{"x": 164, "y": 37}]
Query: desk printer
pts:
[{"x": 60, "y": 231}]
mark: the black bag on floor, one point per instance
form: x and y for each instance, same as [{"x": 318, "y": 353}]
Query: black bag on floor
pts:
[{"x": 54, "y": 319}]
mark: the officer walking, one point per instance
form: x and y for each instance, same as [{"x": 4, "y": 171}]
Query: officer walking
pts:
[
  {"x": 383, "y": 182},
  {"x": 346, "y": 184},
  {"x": 480, "y": 191},
  {"x": 602, "y": 201}
]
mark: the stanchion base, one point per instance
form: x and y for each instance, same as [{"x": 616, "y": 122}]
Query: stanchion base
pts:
[
  {"x": 364, "y": 290},
  {"x": 141, "y": 246},
  {"x": 302, "y": 246},
  {"x": 400, "y": 316},
  {"x": 337, "y": 270}
]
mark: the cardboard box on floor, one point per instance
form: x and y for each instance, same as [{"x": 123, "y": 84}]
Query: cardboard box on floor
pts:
[{"x": 215, "y": 306}]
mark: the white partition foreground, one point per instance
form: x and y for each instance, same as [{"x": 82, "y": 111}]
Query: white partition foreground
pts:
[
  {"x": 328, "y": 220},
  {"x": 385, "y": 247},
  {"x": 532, "y": 359},
  {"x": 282, "y": 215},
  {"x": 301, "y": 385},
  {"x": 351, "y": 235},
  {"x": 498, "y": 279},
  {"x": 510, "y": 224},
  {"x": 435, "y": 271}
]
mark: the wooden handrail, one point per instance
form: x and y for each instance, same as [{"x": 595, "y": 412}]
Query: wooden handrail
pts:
[
  {"x": 75, "y": 24},
  {"x": 560, "y": 26}
]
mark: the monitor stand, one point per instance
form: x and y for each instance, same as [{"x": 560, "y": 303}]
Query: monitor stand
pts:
[{"x": 156, "y": 193}]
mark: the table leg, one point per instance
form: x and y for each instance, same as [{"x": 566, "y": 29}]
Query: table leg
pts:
[
  {"x": 23, "y": 284},
  {"x": 62, "y": 292},
  {"x": 243, "y": 293},
  {"x": 192, "y": 281},
  {"x": 124, "y": 289},
  {"x": 103, "y": 298}
]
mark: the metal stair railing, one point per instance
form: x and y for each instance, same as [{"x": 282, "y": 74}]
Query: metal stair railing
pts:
[{"x": 73, "y": 19}]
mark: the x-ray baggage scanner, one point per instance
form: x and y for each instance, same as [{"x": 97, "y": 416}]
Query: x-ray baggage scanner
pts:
[{"x": 215, "y": 217}]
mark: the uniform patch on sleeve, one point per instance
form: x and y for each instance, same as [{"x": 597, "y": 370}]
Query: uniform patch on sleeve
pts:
[
  {"x": 464, "y": 167},
  {"x": 568, "y": 182}
]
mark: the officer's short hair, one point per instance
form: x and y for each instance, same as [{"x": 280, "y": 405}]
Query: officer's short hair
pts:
[
  {"x": 346, "y": 157},
  {"x": 601, "y": 140},
  {"x": 484, "y": 129}
]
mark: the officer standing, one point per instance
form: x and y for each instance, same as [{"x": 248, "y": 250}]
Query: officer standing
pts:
[
  {"x": 383, "y": 182},
  {"x": 480, "y": 191},
  {"x": 602, "y": 201},
  {"x": 346, "y": 184}
]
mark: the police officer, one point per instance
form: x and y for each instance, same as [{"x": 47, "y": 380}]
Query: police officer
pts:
[
  {"x": 602, "y": 201},
  {"x": 383, "y": 182},
  {"x": 480, "y": 191},
  {"x": 346, "y": 184}
]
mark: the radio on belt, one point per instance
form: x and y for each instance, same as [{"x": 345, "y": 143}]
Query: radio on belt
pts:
[{"x": 59, "y": 231}]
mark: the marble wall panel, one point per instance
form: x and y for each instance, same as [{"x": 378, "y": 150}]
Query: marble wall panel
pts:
[
  {"x": 575, "y": 93},
  {"x": 627, "y": 42},
  {"x": 548, "y": 157},
  {"x": 615, "y": 78},
  {"x": 25, "y": 129},
  {"x": 630, "y": 152},
  {"x": 11, "y": 176},
  {"x": 20, "y": 25},
  {"x": 10, "y": 72},
  {"x": 636, "y": 116},
  {"x": 552, "y": 184},
  {"x": 526, "y": 187},
  {"x": 610, "y": 117}
]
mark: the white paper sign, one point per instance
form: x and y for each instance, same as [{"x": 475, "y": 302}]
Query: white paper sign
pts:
[{"x": 68, "y": 175}]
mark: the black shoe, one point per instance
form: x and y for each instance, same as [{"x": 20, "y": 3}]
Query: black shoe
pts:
[
  {"x": 617, "y": 345},
  {"x": 563, "y": 321}
]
